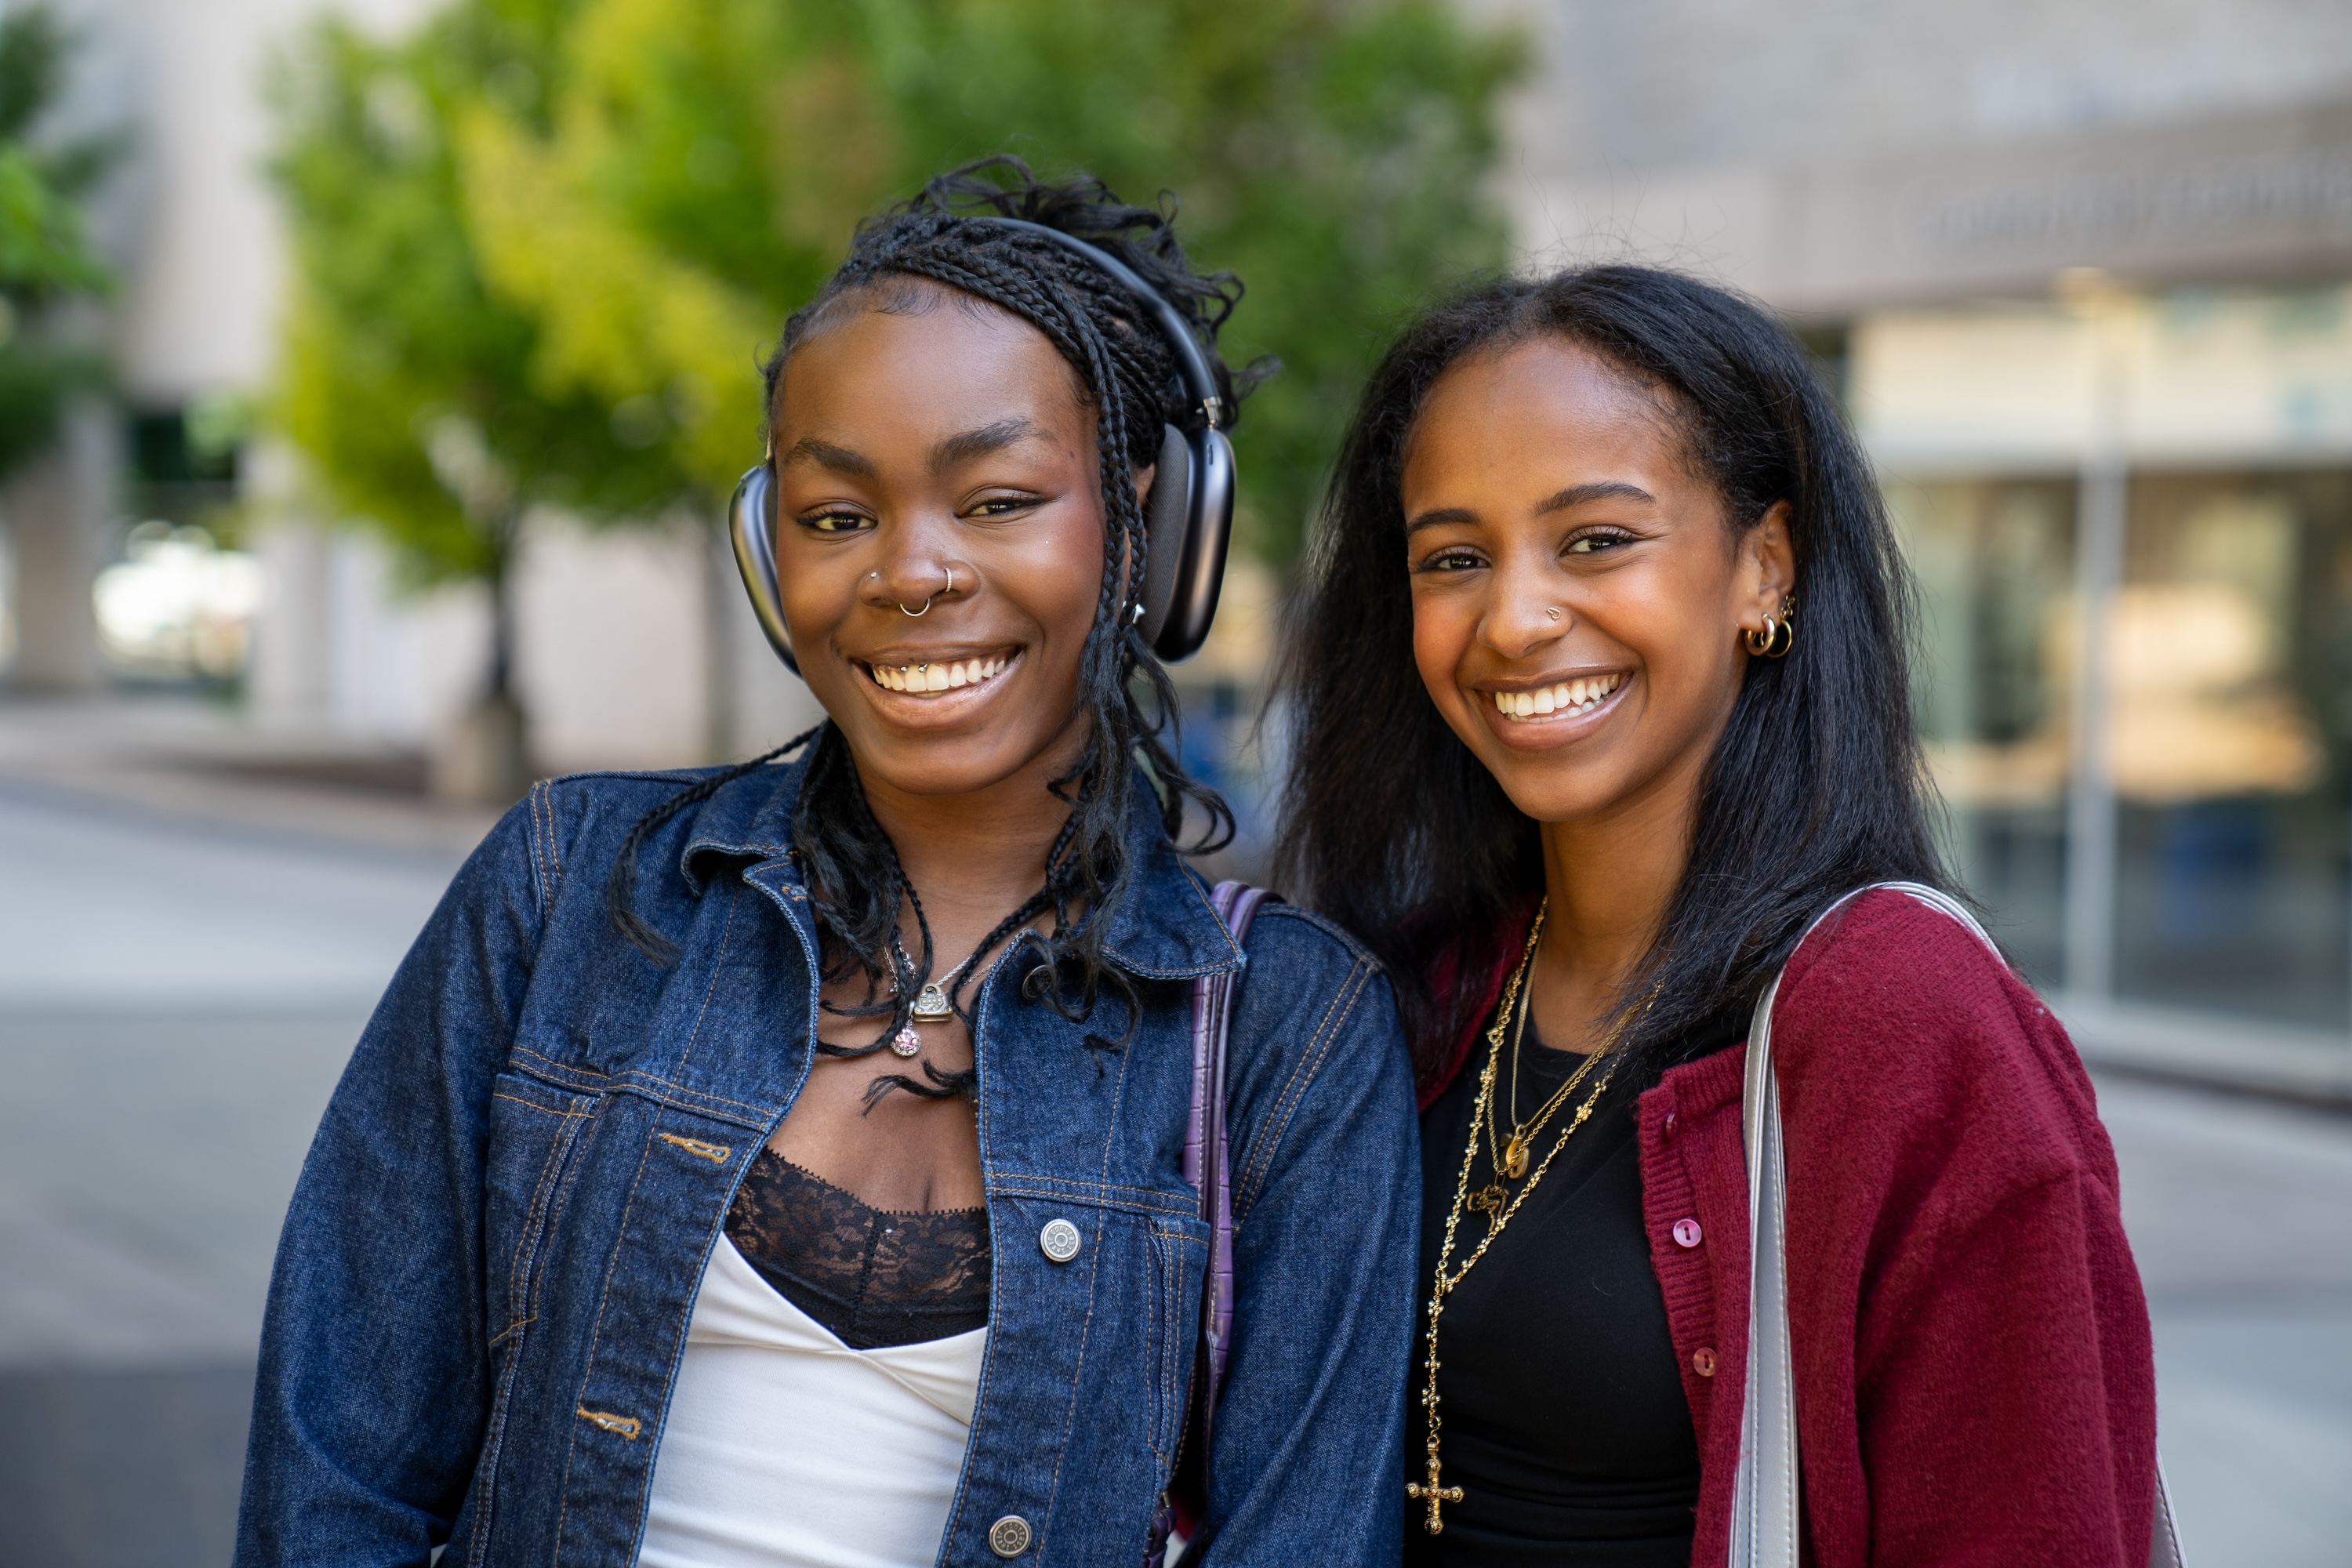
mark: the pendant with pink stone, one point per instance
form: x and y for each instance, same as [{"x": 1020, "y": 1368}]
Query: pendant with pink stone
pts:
[{"x": 905, "y": 1042}]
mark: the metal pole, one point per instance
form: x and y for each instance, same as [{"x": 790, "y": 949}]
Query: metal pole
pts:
[{"x": 2100, "y": 518}]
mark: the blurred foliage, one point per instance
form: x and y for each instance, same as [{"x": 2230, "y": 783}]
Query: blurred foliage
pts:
[
  {"x": 581, "y": 222},
  {"x": 46, "y": 258},
  {"x": 407, "y": 384}
]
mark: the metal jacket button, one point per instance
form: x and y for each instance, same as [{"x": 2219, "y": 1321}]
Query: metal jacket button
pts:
[
  {"x": 1060, "y": 1241},
  {"x": 1703, "y": 1362},
  {"x": 1686, "y": 1232},
  {"x": 1009, "y": 1536}
]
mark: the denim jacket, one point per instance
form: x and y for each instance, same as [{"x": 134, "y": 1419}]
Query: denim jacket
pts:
[{"x": 481, "y": 1294}]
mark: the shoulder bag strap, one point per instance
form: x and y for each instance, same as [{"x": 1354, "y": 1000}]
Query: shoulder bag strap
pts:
[
  {"x": 1207, "y": 1148},
  {"x": 1765, "y": 1518},
  {"x": 1208, "y": 1166}
]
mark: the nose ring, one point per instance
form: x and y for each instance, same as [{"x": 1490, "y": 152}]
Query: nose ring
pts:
[{"x": 925, "y": 610}]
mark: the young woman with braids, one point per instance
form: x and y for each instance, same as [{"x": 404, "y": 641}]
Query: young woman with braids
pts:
[
  {"x": 1606, "y": 564},
  {"x": 781, "y": 1164}
]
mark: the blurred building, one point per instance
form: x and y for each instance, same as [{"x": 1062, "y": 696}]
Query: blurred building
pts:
[{"x": 2084, "y": 273}]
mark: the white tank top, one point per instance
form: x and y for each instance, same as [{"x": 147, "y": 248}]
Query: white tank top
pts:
[{"x": 785, "y": 1449}]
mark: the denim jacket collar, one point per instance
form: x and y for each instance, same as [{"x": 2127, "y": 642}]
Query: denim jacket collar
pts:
[{"x": 1162, "y": 926}]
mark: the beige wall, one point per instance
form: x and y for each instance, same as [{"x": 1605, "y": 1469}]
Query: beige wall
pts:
[{"x": 1833, "y": 155}]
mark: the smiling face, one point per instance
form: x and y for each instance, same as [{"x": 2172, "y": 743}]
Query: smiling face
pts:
[
  {"x": 1578, "y": 597},
  {"x": 939, "y": 453}
]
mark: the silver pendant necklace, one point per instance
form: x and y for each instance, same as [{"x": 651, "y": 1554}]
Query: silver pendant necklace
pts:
[{"x": 931, "y": 1003}]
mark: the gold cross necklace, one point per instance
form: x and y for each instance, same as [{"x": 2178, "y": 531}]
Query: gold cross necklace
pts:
[{"x": 1491, "y": 1199}]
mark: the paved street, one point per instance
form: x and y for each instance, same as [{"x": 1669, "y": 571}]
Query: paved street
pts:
[{"x": 176, "y": 999}]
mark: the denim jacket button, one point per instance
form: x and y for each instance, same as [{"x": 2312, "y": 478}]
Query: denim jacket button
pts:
[
  {"x": 1060, "y": 1241},
  {"x": 1009, "y": 1536}
]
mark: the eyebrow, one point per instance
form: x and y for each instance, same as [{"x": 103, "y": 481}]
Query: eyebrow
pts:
[
  {"x": 980, "y": 443},
  {"x": 825, "y": 454},
  {"x": 1607, "y": 490},
  {"x": 1574, "y": 495}
]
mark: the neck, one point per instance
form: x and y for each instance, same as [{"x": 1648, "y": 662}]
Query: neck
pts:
[
  {"x": 973, "y": 857},
  {"x": 1608, "y": 878}
]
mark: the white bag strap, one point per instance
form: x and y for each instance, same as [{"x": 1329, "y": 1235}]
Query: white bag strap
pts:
[{"x": 1766, "y": 1527}]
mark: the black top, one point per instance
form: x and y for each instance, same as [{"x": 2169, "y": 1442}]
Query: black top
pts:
[
  {"x": 872, "y": 1276},
  {"x": 1563, "y": 1419}
]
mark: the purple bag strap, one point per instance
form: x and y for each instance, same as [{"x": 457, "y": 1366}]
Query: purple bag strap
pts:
[{"x": 1208, "y": 1165}]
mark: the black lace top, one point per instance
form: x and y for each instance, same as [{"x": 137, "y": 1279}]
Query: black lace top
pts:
[{"x": 872, "y": 1276}]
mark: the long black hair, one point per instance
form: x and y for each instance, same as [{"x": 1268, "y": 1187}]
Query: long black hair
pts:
[
  {"x": 1393, "y": 827},
  {"x": 1129, "y": 374}
]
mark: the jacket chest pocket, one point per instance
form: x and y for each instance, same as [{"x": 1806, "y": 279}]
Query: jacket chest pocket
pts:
[{"x": 535, "y": 1135}]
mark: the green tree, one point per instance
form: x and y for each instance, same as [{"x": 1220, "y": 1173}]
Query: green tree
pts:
[
  {"x": 46, "y": 259},
  {"x": 405, "y": 380},
  {"x": 686, "y": 171}
]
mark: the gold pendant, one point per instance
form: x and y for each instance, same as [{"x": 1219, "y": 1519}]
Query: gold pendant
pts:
[
  {"x": 1515, "y": 1157},
  {"x": 931, "y": 1005},
  {"x": 1487, "y": 1199}
]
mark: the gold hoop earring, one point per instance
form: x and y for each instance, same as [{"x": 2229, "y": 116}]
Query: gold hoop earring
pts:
[{"x": 1779, "y": 635}]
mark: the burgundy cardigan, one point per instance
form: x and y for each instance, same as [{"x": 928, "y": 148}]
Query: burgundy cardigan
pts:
[{"x": 1975, "y": 1376}]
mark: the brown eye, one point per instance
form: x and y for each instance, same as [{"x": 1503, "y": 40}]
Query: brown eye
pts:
[{"x": 834, "y": 523}]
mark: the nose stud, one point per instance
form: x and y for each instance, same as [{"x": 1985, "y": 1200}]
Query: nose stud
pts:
[{"x": 1552, "y": 614}]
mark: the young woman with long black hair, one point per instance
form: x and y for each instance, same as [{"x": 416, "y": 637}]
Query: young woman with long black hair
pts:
[
  {"x": 782, "y": 1165},
  {"x": 1602, "y": 700}
]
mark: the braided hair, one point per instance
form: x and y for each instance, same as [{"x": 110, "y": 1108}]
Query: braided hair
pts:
[{"x": 1130, "y": 377}]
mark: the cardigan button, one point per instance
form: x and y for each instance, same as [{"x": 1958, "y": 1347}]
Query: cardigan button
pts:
[
  {"x": 1059, "y": 1241},
  {"x": 1703, "y": 1362},
  {"x": 1686, "y": 1232},
  {"x": 1009, "y": 1536},
  {"x": 1672, "y": 1118}
]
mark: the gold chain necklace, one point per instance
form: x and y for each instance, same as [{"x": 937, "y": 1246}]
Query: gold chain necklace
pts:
[
  {"x": 1489, "y": 1201},
  {"x": 1511, "y": 1160}
]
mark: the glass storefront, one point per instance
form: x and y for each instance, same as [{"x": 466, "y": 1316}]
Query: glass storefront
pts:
[
  {"x": 2232, "y": 639},
  {"x": 2229, "y": 732},
  {"x": 1994, "y": 560}
]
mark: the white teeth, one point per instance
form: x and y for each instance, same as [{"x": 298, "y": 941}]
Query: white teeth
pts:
[
  {"x": 1578, "y": 696},
  {"x": 928, "y": 677}
]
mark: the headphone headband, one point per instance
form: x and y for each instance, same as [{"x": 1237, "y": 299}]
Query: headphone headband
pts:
[{"x": 1192, "y": 364}]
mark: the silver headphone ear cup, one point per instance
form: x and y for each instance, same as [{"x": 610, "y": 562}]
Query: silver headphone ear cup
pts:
[
  {"x": 750, "y": 524},
  {"x": 1201, "y": 568},
  {"x": 1167, "y": 514}
]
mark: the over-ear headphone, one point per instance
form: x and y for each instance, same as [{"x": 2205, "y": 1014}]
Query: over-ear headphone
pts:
[{"x": 1188, "y": 517}]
